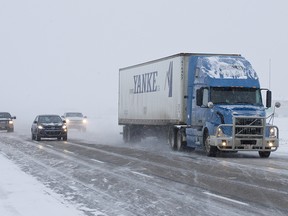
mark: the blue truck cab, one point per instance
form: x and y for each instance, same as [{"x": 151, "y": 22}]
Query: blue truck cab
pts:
[{"x": 225, "y": 110}]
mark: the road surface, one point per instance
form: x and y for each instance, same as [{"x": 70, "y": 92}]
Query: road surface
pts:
[{"x": 149, "y": 178}]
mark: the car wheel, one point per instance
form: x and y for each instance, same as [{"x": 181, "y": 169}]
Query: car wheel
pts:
[{"x": 38, "y": 138}]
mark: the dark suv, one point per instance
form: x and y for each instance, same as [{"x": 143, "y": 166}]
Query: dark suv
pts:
[
  {"x": 49, "y": 126},
  {"x": 6, "y": 121}
]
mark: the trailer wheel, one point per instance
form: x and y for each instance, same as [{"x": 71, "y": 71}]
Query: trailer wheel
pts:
[
  {"x": 179, "y": 140},
  {"x": 210, "y": 150},
  {"x": 172, "y": 139},
  {"x": 126, "y": 134},
  {"x": 264, "y": 154}
]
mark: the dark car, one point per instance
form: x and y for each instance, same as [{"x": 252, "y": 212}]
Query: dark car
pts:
[
  {"x": 49, "y": 126},
  {"x": 6, "y": 121},
  {"x": 75, "y": 120}
]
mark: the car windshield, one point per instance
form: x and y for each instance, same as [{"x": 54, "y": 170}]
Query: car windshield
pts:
[
  {"x": 5, "y": 115},
  {"x": 74, "y": 115},
  {"x": 49, "y": 119},
  {"x": 236, "y": 95}
]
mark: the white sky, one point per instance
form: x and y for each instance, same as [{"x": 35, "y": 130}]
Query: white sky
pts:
[{"x": 62, "y": 55}]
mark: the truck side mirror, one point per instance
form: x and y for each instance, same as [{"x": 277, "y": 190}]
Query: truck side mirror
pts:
[
  {"x": 268, "y": 98},
  {"x": 277, "y": 104}
]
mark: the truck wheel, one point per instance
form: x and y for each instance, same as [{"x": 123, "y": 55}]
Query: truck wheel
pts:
[
  {"x": 64, "y": 138},
  {"x": 33, "y": 136},
  {"x": 210, "y": 150},
  {"x": 172, "y": 139},
  {"x": 264, "y": 154}
]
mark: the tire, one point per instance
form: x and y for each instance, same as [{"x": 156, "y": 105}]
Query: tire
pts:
[
  {"x": 126, "y": 134},
  {"x": 10, "y": 130},
  {"x": 37, "y": 137},
  {"x": 172, "y": 138},
  {"x": 131, "y": 134},
  {"x": 33, "y": 136},
  {"x": 211, "y": 151},
  {"x": 58, "y": 138},
  {"x": 64, "y": 138},
  {"x": 264, "y": 154},
  {"x": 179, "y": 141}
]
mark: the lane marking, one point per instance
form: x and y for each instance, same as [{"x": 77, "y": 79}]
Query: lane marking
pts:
[
  {"x": 4, "y": 154},
  {"x": 225, "y": 198},
  {"x": 98, "y": 161},
  {"x": 50, "y": 146},
  {"x": 141, "y": 174},
  {"x": 66, "y": 151}
]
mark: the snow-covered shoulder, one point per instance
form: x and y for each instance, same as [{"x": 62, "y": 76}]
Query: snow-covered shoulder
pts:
[{"x": 22, "y": 195}]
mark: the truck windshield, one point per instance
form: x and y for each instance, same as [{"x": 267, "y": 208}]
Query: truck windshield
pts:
[{"x": 236, "y": 95}]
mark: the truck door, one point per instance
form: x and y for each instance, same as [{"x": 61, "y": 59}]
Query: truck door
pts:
[{"x": 201, "y": 107}]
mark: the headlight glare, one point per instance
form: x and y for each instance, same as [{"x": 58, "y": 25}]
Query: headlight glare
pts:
[
  {"x": 272, "y": 132},
  {"x": 219, "y": 132}
]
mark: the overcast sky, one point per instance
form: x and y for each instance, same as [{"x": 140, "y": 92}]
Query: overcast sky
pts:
[{"x": 64, "y": 55}]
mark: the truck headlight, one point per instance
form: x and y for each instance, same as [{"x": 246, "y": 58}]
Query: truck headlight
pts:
[
  {"x": 40, "y": 127},
  {"x": 64, "y": 127},
  {"x": 10, "y": 122},
  {"x": 272, "y": 132},
  {"x": 219, "y": 133},
  {"x": 84, "y": 121}
]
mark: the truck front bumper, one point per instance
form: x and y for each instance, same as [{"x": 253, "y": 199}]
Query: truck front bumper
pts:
[{"x": 230, "y": 144}]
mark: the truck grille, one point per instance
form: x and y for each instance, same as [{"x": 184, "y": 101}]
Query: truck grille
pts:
[{"x": 249, "y": 127}]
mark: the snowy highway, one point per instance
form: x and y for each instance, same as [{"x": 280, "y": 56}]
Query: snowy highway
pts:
[{"x": 149, "y": 179}]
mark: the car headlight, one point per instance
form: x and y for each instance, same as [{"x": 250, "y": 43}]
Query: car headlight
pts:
[
  {"x": 40, "y": 127},
  {"x": 10, "y": 122},
  {"x": 84, "y": 121},
  {"x": 64, "y": 126},
  {"x": 219, "y": 133},
  {"x": 67, "y": 120}
]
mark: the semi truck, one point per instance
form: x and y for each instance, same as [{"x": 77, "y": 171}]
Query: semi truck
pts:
[{"x": 209, "y": 101}]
